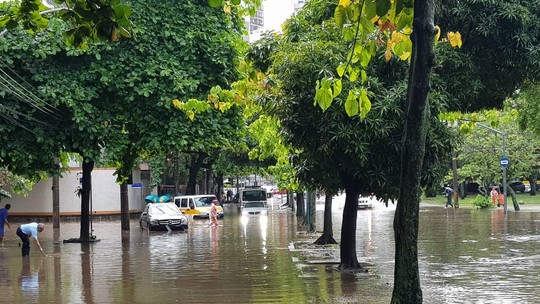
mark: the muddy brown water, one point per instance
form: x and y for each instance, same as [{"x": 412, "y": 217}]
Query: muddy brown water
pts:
[{"x": 466, "y": 256}]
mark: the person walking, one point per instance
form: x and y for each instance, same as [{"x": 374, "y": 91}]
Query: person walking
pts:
[
  {"x": 449, "y": 194},
  {"x": 213, "y": 214},
  {"x": 494, "y": 196},
  {"x": 26, "y": 231},
  {"x": 229, "y": 195},
  {"x": 3, "y": 220}
]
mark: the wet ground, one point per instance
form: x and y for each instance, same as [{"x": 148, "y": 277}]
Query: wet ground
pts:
[{"x": 466, "y": 256}]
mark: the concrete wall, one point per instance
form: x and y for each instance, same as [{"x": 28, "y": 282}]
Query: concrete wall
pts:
[{"x": 105, "y": 195}]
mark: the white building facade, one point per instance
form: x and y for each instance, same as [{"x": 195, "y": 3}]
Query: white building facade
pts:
[{"x": 105, "y": 197}]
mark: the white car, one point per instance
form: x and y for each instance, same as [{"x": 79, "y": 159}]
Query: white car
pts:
[
  {"x": 254, "y": 208},
  {"x": 159, "y": 216},
  {"x": 365, "y": 203}
]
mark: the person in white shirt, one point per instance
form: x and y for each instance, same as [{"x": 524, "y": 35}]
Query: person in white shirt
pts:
[{"x": 27, "y": 231}]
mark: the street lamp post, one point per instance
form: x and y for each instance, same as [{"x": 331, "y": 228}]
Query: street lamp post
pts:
[{"x": 503, "y": 159}]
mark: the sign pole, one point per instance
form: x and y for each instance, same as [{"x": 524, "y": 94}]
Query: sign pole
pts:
[{"x": 504, "y": 172}]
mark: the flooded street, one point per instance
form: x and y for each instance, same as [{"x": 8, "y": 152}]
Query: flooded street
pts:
[{"x": 466, "y": 256}]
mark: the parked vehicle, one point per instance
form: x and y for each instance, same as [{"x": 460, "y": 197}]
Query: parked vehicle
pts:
[
  {"x": 528, "y": 185},
  {"x": 254, "y": 208},
  {"x": 253, "y": 195},
  {"x": 518, "y": 186},
  {"x": 197, "y": 205},
  {"x": 156, "y": 216}
]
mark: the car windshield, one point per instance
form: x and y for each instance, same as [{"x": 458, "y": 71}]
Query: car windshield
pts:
[
  {"x": 253, "y": 195},
  {"x": 205, "y": 201},
  {"x": 254, "y": 205},
  {"x": 167, "y": 209}
]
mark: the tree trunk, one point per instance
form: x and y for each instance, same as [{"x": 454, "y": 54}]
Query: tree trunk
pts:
[
  {"x": 194, "y": 167},
  {"x": 327, "y": 236},
  {"x": 300, "y": 206},
  {"x": 56, "y": 197},
  {"x": 176, "y": 173},
  {"x": 407, "y": 287},
  {"x": 124, "y": 206},
  {"x": 312, "y": 211},
  {"x": 86, "y": 192},
  {"x": 209, "y": 185},
  {"x": 290, "y": 199},
  {"x": 455, "y": 183},
  {"x": 219, "y": 190},
  {"x": 533, "y": 184},
  {"x": 513, "y": 196},
  {"x": 348, "y": 257}
]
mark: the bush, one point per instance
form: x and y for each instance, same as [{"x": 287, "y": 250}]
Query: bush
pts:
[{"x": 482, "y": 202}]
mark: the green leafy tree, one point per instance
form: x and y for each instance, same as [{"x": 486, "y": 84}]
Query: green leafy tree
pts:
[
  {"x": 498, "y": 53},
  {"x": 528, "y": 105},
  {"x": 89, "y": 20},
  {"x": 119, "y": 97},
  {"x": 362, "y": 153},
  {"x": 479, "y": 159},
  {"x": 395, "y": 18}
]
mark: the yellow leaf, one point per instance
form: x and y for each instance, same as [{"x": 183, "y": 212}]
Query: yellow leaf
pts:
[
  {"x": 405, "y": 56},
  {"x": 454, "y": 39},
  {"x": 190, "y": 114},
  {"x": 438, "y": 35},
  {"x": 396, "y": 37},
  {"x": 178, "y": 104},
  {"x": 344, "y": 3},
  {"x": 388, "y": 54},
  {"x": 407, "y": 30},
  {"x": 227, "y": 9}
]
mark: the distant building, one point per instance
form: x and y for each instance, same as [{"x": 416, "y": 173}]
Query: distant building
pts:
[
  {"x": 271, "y": 16},
  {"x": 256, "y": 23},
  {"x": 298, "y": 4}
]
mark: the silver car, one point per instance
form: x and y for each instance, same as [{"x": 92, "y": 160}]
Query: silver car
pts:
[{"x": 163, "y": 216}]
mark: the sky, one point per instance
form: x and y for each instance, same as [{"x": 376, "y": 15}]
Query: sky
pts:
[{"x": 276, "y": 12}]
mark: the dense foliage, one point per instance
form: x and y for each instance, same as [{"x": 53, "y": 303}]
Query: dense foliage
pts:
[
  {"x": 331, "y": 145},
  {"x": 119, "y": 96},
  {"x": 499, "y": 52}
]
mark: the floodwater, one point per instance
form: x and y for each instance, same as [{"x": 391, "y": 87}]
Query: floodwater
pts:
[{"x": 466, "y": 256}]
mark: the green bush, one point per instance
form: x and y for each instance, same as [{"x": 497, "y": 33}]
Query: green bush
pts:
[{"x": 482, "y": 202}]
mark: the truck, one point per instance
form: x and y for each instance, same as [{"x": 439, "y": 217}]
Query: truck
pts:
[{"x": 252, "y": 195}]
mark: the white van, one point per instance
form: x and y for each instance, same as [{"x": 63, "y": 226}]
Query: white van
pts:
[
  {"x": 252, "y": 195},
  {"x": 197, "y": 205}
]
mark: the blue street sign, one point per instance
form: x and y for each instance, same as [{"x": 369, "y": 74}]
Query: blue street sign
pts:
[
  {"x": 505, "y": 162},
  {"x": 137, "y": 185}
]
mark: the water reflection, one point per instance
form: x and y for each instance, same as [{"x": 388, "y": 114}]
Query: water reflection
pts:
[
  {"x": 262, "y": 221},
  {"x": 466, "y": 256}
]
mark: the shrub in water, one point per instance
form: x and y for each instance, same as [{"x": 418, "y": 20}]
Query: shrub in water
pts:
[{"x": 482, "y": 202}]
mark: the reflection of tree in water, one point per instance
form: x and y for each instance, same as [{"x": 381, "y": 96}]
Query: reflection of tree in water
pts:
[
  {"x": 128, "y": 276},
  {"x": 86, "y": 272}
]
